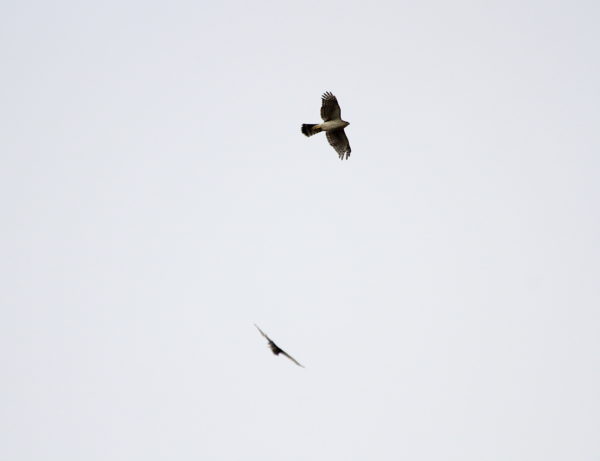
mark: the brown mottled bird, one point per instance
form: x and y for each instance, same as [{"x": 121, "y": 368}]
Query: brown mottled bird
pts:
[
  {"x": 333, "y": 125},
  {"x": 276, "y": 349}
]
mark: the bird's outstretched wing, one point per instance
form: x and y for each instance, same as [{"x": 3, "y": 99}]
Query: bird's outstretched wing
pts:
[
  {"x": 262, "y": 332},
  {"x": 330, "y": 109},
  {"x": 292, "y": 358},
  {"x": 338, "y": 140}
]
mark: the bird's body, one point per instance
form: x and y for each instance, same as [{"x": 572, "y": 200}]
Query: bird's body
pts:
[
  {"x": 332, "y": 124},
  {"x": 276, "y": 349}
]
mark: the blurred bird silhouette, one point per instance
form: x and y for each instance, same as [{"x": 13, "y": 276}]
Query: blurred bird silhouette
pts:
[{"x": 276, "y": 349}]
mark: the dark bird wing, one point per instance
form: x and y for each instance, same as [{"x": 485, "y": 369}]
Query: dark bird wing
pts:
[
  {"x": 262, "y": 332},
  {"x": 330, "y": 109},
  {"x": 292, "y": 358},
  {"x": 339, "y": 141}
]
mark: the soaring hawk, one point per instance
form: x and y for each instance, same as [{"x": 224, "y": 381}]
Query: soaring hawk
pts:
[
  {"x": 276, "y": 349},
  {"x": 333, "y": 125}
]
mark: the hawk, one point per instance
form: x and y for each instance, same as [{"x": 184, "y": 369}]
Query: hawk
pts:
[
  {"x": 276, "y": 349},
  {"x": 333, "y": 125}
]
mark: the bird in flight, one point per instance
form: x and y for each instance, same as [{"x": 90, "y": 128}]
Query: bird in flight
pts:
[
  {"x": 276, "y": 349},
  {"x": 333, "y": 125}
]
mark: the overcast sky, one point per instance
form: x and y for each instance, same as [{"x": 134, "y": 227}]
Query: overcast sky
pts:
[{"x": 442, "y": 286}]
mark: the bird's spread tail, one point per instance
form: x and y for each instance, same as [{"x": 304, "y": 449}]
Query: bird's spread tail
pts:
[{"x": 310, "y": 129}]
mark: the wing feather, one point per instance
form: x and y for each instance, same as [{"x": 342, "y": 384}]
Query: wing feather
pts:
[
  {"x": 338, "y": 140},
  {"x": 330, "y": 109}
]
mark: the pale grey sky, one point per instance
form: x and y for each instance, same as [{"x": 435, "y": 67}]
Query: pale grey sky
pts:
[{"x": 441, "y": 286}]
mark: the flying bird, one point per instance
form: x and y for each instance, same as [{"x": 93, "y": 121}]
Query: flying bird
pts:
[
  {"x": 276, "y": 349},
  {"x": 333, "y": 125}
]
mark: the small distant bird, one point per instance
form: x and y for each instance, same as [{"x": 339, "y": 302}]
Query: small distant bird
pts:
[
  {"x": 333, "y": 125},
  {"x": 276, "y": 349}
]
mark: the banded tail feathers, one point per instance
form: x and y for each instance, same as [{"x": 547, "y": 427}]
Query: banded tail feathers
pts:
[{"x": 309, "y": 129}]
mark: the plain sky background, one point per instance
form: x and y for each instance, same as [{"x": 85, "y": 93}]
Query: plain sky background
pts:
[{"x": 442, "y": 286}]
